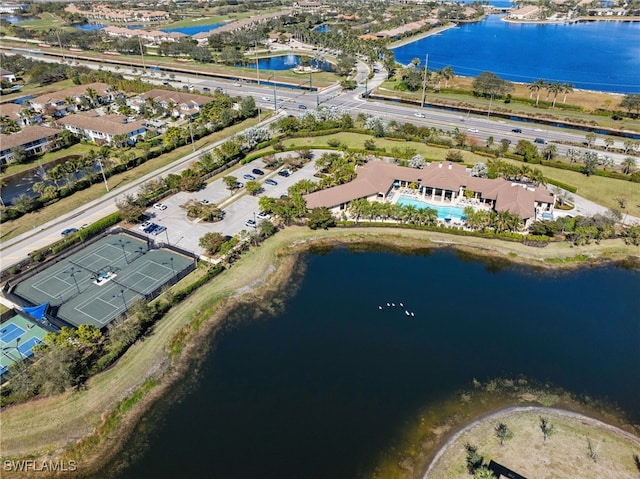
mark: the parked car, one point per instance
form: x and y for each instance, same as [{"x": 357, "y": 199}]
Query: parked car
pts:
[
  {"x": 69, "y": 231},
  {"x": 160, "y": 206},
  {"x": 271, "y": 182},
  {"x": 205, "y": 202},
  {"x": 150, "y": 228},
  {"x": 239, "y": 185},
  {"x": 284, "y": 173},
  {"x": 144, "y": 225},
  {"x": 248, "y": 177},
  {"x": 257, "y": 171},
  {"x": 263, "y": 215},
  {"x": 517, "y": 130},
  {"x": 250, "y": 223},
  {"x": 165, "y": 83},
  {"x": 206, "y": 89}
]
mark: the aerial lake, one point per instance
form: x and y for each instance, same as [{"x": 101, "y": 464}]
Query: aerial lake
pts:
[
  {"x": 603, "y": 56},
  {"x": 323, "y": 386},
  {"x": 193, "y": 30},
  {"x": 286, "y": 62}
]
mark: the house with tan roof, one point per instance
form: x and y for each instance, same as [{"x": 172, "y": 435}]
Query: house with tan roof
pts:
[
  {"x": 55, "y": 103},
  {"x": 103, "y": 129},
  {"x": 7, "y": 76},
  {"x": 34, "y": 139},
  {"x": 183, "y": 104},
  {"x": 529, "y": 12},
  {"x": 440, "y": 183},
  {"x": 20, "y": 115}
]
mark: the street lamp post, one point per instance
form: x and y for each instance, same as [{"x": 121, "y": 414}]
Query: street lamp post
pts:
[
  {"x": 124, "y": 301},
  {"x": 275, "y": 94},
  {"x": 73, "y": 276},
  {"x": 193, "y": 145},
  {"x": 104, "y": 177}
]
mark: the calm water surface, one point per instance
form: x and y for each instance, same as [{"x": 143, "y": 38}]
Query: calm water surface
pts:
[
  {"x": 194, "y": 30},
  {"x": 590, "y": 55},
  {"x": 287, "y": 62},
  {"x": 322, "y": 388}
]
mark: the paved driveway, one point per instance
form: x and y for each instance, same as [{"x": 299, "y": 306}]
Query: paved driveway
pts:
[{"x": 238, "y": 205}]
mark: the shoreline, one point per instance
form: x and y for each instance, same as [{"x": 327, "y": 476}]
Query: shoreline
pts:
[
  {"x": 195, "y": 321},
  {"x": 513, "y": 410},
  {"x": 414, "y": 38},
  {"x": 566, "y": 21}
]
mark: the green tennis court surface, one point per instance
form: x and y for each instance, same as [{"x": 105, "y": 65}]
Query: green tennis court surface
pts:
[
  {"x": 100, "y": 282},
  {"x": 17, "y": 339}
]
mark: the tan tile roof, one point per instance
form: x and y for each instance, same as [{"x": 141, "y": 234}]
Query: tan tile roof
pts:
[
  {"x": 74, "y": 92},
  {"x": 10, "y": 110},
  {"x": 176, "y": 97},
  {"x": 109, "y": 124},
  {"x": 377, "y": 177},
  {"x": 26, "y": 135}
]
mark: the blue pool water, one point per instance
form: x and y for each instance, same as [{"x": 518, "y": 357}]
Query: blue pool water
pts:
[
  {"x": 89, "y": 27},
  {"x": 444, "y": 212},
  {"x": 287, "y": 62},
  {"x": 194, "y": 30}
]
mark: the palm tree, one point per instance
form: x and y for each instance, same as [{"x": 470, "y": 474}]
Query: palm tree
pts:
[
  {"x": 447, "y": 73},
  {"x": 566, "y": 89},
  {"x": 93, "y": 95},
  {"x": 555, "y": 88},
  {"x": 536, "y": 86},
  {"x": 628, "y": 165}
]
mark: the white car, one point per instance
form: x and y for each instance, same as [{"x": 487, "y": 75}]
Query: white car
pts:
[
  {"x": 266, "y": 98},
  {"x": 236, "y": 84},
  {"x": 419, "y": 115},
  {"x": 160, "y": 206},
  {"x": 144, "y": 225},
  {"x": 263, "y": 216},
  {"x": 473, "y": 130}
]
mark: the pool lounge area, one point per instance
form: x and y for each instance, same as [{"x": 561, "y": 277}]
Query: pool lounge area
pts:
[{"x": 445, "y": 212}]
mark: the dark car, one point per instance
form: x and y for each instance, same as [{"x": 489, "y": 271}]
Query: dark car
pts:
[
  {"x": 284, "y": 173},
  {"x": 206, "y": 89},
  {"x": 68, "y": 231},
  {"x": 302, "y": 107},
  {"x": 271, "y": 182},
  {"x": 257, "y": 171},
  {"x": 517, "y": 130}
]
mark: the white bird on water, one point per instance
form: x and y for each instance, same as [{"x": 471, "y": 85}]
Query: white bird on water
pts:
[
  {"x": 412, "y": 314},
  {"x": 379, "y": 307},
  {"x": 407, "y": 312},
  {"x": 393, "y": 304},
  {"x": 402, "y": 305},
  {"x": 388, "y": 304}
]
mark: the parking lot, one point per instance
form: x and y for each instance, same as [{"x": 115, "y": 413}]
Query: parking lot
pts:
[{"x": 238, "y": 205}]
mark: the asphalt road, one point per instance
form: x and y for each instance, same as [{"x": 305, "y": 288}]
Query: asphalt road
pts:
[{"x": 289, "y": 101}]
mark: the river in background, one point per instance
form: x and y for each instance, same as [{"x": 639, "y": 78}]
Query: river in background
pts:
[
  {"x": 602, "y": 56},
  {"x": 321, "y": 389}
]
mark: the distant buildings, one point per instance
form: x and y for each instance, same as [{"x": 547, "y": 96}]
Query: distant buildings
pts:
[
  {"x": 21, "y": 116},
  {"x": 34, "y": 139},
  {"x": 58, "y": 103},
  {"x": 6, "y": 75},
  {"x": 104, "y": 12},
  {"x": 181, "y": 104},
  {"x": 439, "y": 182},
  {"x": 530, "y": 12},
  {"x": 154, "y": 37},
  {"x": 105, "y": 129}
]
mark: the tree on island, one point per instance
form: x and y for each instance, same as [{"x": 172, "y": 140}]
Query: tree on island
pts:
[
  {"x": 503, "y": 432},
  {"x": 546, "y": 427}
]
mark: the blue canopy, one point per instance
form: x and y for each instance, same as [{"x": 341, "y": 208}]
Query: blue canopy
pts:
[{"x": 37, "y": 311}]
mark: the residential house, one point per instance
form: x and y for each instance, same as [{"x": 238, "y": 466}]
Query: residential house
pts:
[
  {"x": 436, "y": 182},
  {"x": 154, "y": 37},
  {"x": 20, "y": 115},
  {"x": 183, "y": 104},
  {"x": 34, "y": 139},
  {"x": 56, "y": 103},
  {"x": 104, "y": 12},
  {"x": 529, "y": 12},
  {"x": 103, "y": 129},
  {"x": 7, "y": 76}
]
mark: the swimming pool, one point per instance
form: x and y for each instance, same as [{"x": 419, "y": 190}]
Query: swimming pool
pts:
[{"x": 444, "y": 212}]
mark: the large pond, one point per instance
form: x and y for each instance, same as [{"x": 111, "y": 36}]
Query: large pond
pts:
[
  {"x": 193, "y": 30},
  {"x": 323, "y": 387},
  {"x": 287, "y": 62},
  {"x": 591, "y": 55}
]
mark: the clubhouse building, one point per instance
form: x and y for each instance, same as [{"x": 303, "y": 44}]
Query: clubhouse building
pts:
[{"x": 441, "y": 183}]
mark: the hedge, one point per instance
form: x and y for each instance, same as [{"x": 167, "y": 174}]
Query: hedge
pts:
[{"x": 560, "y": 184}]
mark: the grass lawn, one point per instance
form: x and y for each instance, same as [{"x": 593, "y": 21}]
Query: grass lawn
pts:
[
  {"x": 598, "y": 189},
  {"x": 37, "y": 90},
  {"x": 590, "y": 101},
  {"x": 14, "y": 228},
  {"x": 44, "y": 22},
  {"x": 197, "y": 18},
  {"x": 77, "y": 149}
]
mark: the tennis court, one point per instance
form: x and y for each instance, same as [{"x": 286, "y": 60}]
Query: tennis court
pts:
[
  {"x": 18, "y": 336},
  {"x": 100, "y": 282}
]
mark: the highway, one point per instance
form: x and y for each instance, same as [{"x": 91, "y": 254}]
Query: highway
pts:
[{"x": 289, "y": 101}]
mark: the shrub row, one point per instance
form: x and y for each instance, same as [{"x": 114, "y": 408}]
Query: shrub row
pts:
[{"x": 560, "y": 184}]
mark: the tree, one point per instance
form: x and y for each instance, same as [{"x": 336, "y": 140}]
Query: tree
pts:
[
  {"x": 628, "y": 165},
  {"x": 555, "y": 88},
  {"x": 566, "y": 89},
  {"x": 484, "y": 473},
  {"x": 212, "y": 242},
  {"x": 489, "y": 84},
  {"x": 536, "y": 86},
  {"x": 130, "y": 208},
  {"x": 253, "y": 187},
  {"x": 546, "y": 427},
  {"x": 320, "y": 218},
  {"x": 447, "y": 73},
  {"x": 503, "y": 433},
  {"x": 20, "y": 155},
  {"x": 590, "y": 160},
  {"x": 550, "y": 152},
  {"x": 231, "y": 182},
  {"x": 480, "y": 170},
  {"x": 248, "y": 107},
  {"x": 474, "y": 459},
  {"x": 631, "y": 102},
  {"x": 591, "y": 138},
  {"x": 528, "y": 150}
]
